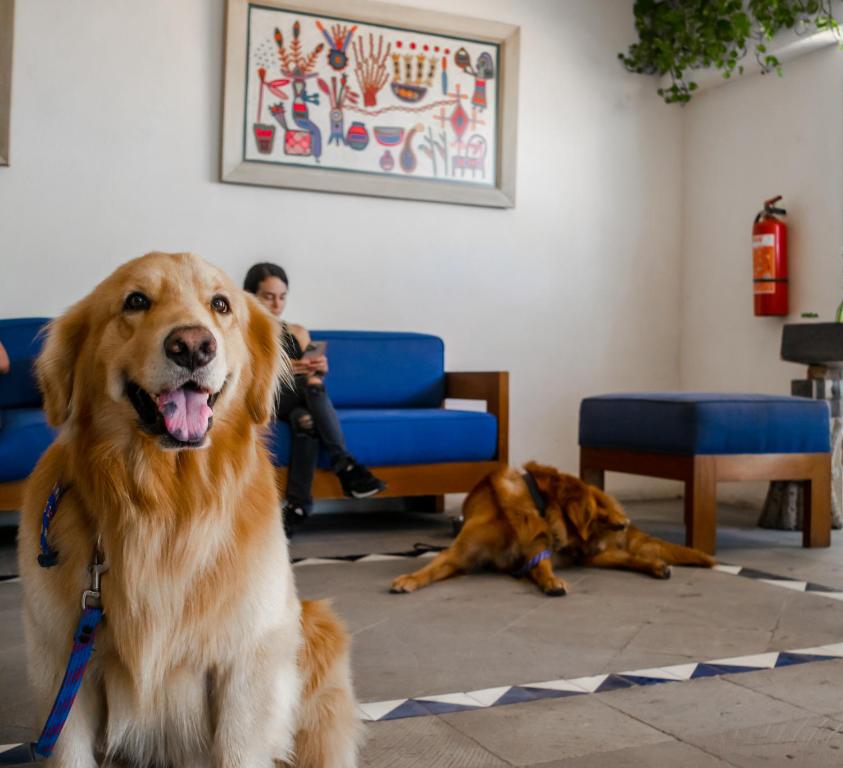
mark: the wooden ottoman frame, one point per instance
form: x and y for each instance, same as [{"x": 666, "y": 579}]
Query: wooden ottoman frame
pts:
[{"x": 702, "y": 472}]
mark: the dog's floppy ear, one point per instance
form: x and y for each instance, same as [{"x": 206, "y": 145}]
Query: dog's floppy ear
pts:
[
  {"x": 577, "y": 503},
  {"x": 55, "y": 367},
  {"x": 609, "y": 512},
  {"x": 579, "y": 513},
  {"x": 267, "y": 361}
]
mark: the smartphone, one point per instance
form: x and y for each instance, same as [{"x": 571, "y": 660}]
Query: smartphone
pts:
[{"x": 315, "y": 349}]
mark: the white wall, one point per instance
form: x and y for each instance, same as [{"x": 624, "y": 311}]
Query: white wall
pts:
[
  {"x": 742, "y": 143},
  {"x": 115, "y": 137}
]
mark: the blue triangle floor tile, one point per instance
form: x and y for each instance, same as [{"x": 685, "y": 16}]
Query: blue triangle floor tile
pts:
[
  {"x": 20, "y": 754},
  {"x": 516, "y": 695},
  {"x": 819, "y": 588},
  {"x": 752, "y": 573},
  {"x": 635, "y": 680},
  {"x": 714, "y": 670},
  {"x": 443, "y": 708},
  {"x": 409, "y": 708},
  {"x": 549, "y": 693},
  {"x": 787, "y": 659},
  {"x": 614, "y": 683}
]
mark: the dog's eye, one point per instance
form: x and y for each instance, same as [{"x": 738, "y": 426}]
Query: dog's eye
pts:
[
  {"x": 220, "y": 304},
  {"x": 136, "y": 302}
]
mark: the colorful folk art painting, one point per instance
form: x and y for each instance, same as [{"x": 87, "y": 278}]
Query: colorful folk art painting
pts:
[{"x": 333, "y": 93}]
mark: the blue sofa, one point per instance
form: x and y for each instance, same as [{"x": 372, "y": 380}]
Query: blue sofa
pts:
[
  {"x": 388, "y": 388},
  {"x": 24, "y": 433}
]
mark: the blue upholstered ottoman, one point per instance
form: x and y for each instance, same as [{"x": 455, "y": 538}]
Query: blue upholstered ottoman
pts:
[{"x": 702, "y": 438}]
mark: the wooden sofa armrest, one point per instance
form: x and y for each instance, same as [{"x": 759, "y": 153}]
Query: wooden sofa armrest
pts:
[{"x": 491, "y": 386}]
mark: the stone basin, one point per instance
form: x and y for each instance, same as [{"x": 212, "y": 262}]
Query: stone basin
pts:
[{"x": 813, "y": 344}]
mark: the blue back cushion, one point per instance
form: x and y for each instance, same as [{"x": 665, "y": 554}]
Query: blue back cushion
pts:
[
  {"x": 22, "y": 340},
  {"x": 379, "y": 369}
]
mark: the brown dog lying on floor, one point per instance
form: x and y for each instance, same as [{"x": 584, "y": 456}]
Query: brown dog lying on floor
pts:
[{"x": 514, "y": 523}]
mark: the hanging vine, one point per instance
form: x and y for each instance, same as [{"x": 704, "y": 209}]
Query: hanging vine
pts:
[{"x": 678, "y": 36}]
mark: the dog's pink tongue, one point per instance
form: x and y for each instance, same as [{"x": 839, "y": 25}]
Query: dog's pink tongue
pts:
[{"x": 186, "y": 414}]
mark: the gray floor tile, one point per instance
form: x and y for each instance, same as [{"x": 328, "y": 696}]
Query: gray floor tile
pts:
[
  {"x": 806, "y": 743},
  {"x": 422, "y": 742},
  {"x": 491, "y": 630},
  {"x": 430, "y": 642},
  {"x": 355, "y": 533},
  {"x": 543, "y": 731},
  {"x": 707, "y": 705},
  {"x": 671, "y": 754},
  {"x": 814, "y": 687}
]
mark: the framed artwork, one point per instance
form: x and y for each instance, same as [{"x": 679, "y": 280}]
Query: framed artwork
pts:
[
  {"x": 370, "y": 98},
  {"x": 7, "y": 28}
]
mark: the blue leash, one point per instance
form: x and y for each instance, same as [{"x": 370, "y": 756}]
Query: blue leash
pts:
[{"x": 80, "y": 654}]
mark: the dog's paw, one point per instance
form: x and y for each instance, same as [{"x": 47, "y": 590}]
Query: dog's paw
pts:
[
  {"x": 404, "y": 584},
  {"x": 556, "y": 588},
  {"x": 662, "y": 571}
]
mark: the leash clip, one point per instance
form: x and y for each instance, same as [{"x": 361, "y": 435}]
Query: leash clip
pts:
[{"x": 92, "y": 597}]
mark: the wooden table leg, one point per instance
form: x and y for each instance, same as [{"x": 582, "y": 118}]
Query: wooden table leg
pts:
[
  {"x": 701, "y": 504},
  {"x": 816, "y": 519}
]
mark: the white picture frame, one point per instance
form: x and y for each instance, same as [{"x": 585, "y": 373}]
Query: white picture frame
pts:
[
  {"x": 7, "y": 28},
  {"x": 473, "y": 168}
]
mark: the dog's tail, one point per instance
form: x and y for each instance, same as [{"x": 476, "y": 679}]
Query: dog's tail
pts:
[{"x": 329, "y": 731}]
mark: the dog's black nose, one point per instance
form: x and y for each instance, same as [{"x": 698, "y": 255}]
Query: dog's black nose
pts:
[{"x": 190, "y": 347}]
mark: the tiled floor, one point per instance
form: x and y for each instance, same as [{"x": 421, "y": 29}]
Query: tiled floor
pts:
[{"x": 490, "y": 631}]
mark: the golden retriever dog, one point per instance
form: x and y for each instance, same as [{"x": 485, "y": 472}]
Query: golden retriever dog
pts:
[
  {"x": 506, "y": 529},
  {"x": 162, "y": 382}
]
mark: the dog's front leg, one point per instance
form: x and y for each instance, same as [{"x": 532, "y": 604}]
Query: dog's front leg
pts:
[
  {"x": 543, "y": 576},
  {"x": 75, "y": 747},
  {"x": 255, "y": 703}
]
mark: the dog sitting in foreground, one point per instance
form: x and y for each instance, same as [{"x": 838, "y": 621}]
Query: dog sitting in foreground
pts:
[
  {"x": 162, "y": 381},
  {"x": 515, "y": 528}
]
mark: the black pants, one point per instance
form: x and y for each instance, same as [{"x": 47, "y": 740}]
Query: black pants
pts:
[{"x": 313, "y": 421}]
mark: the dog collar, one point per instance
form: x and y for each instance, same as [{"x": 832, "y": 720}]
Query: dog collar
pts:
[
  {"x": 48, "y": 556},
  {"x": 538, "y": 500},
  {"x": 545, "y": 554}
]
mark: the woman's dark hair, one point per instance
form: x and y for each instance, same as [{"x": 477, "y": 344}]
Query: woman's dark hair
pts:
[{"x": 259, "y": 272}]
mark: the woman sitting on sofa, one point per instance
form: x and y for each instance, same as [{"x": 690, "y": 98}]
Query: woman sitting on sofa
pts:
[{"x": 306, "y": 407}]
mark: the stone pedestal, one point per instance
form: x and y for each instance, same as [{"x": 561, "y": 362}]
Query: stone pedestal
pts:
[{"x": 784, "y": 504}]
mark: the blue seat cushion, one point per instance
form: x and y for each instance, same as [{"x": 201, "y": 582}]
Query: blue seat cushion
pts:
[
  {"x": 22, "y": 340},
  {"x": 379, "y": 369},
  {"x": 24, "y": 436},
  {"x": 388, "y": 436},
  {"x": 705, "y": 423}
]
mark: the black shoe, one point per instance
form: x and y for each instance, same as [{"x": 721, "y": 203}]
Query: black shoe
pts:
[
  {"x": 358, "y": 483},
  {"x": 293, "y": 514}
]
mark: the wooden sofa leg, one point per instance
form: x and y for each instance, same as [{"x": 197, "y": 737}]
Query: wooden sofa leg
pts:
[
  {"x": 592, "y": 475},
  {"x": 431, "y": 503},
  {"x": 701, "y": 504},
  {"x": 816, "y": 520}
]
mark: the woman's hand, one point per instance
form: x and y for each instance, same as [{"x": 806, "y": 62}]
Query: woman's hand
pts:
[
  {"x": 320, "y": 364},
  {"x": 310, "y": 365},
  {"x": 301, "y": 367}
]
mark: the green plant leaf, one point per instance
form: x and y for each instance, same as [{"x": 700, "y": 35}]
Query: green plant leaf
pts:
[{"x": 678, "y": 36}]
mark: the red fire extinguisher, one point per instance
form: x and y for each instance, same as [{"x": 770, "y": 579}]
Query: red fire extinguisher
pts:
[{"x": 769, "y": 260}]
